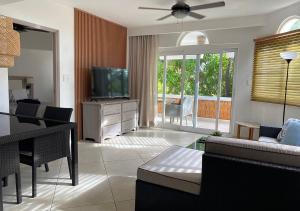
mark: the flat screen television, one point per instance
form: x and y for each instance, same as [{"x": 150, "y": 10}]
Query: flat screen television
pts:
[{"x": 109, "y": 83}]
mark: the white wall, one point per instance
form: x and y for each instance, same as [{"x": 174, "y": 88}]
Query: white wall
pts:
[
  {"x": 39, "y": 65},
  {"x": 36, "y": 61},
  {"x": 4, "y": 102},
  {"x": 246, "y": 110},
  {"x": 267, "y": 113},
  {"x": 60, "y": 18}
]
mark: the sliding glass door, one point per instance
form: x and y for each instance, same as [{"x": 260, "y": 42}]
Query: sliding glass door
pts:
[{"x": 195, "y": 91}]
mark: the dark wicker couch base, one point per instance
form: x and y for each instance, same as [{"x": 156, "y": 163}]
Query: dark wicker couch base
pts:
[
  {"x": 150, "y": 197},
  {"x": 232, "y": 184}
]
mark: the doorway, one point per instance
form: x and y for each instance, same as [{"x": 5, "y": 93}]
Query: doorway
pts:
[
  {"x": 36, "y": 73},
  {"x": 196, "y": 89}
]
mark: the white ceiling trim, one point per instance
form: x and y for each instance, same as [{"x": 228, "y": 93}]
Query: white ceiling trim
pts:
[{"x": 205, "y": 25}]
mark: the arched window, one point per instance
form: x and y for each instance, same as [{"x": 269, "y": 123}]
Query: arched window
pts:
[
  {"x": 290, "y": 24},
  {"x": 193, "y": 38}
]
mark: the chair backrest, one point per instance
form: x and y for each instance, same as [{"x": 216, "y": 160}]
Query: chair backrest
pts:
[
  {"x": 31, "y": 101},
  {"x": 187, "y": 106},
  {"x": 27, "y": 109},
  {"x": 59, "y": 114}
]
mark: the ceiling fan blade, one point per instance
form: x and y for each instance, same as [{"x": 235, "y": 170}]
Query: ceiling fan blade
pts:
[
  {"x": 196, "y": 15},
  {"x": 153, "y": 8},
  {"x": 165, "y": 17},
  {"x": 208, "y": 6}
]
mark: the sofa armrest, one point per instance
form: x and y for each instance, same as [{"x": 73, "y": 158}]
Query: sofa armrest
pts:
[{"x": 271, "y": 132}]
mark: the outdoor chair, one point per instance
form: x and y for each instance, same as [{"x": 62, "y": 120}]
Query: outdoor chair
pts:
[{"x": 173, "y": 110}]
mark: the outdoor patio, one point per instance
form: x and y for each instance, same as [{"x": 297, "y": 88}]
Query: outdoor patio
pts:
[
  {"x": 207, "y": 109},
  {"x": 203, "y": 123}
]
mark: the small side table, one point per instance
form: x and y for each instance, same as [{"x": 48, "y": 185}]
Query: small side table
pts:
[{"x": 249, "y": 125}]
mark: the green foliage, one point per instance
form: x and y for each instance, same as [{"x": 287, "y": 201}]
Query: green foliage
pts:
[
  {"x": 208, "y": 76},
  {"x": 216, "y": 133},
  {"x": 202, "y": 139}
]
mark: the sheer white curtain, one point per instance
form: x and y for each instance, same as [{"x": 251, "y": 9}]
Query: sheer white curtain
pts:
[{"x": 142, "y": 70}]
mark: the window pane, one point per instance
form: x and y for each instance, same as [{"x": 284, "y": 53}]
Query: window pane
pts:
[
  {"x": 194, "y": 38},
  {"x": 269, "y": 74},
  {"x": 290, "y": 25}
]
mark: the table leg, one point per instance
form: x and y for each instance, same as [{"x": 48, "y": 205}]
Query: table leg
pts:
[
  {"x": 239, "y": 131},
  {"x": 1, "y": 199},
  {"x": 18, "y": 187},
  {"x": 250, "y": 134},
  {"x": 74, "y": 152}
]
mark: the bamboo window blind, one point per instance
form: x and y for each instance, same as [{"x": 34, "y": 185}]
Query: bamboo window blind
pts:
[{"x": 269, "y": 73}]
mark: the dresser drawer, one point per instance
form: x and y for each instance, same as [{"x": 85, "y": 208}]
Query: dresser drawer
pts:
[
  {"x": 132, "y": 106},
  {"x": 111, "y": 119},
  {"x": 111, "y": 131},
  {"x": 129, "y": 115},
  {"x": 128, "y": 126},
  {"x": 112, "y": 109}
]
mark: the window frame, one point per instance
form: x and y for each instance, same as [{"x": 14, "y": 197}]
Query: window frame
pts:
[
  {"x": 184, "y": 34},
  {"x": 285, "y": 22},
  {"x": 275, "y": 39}
]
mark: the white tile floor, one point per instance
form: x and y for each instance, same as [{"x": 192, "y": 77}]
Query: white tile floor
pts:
[{"x": 107, "y": 174}]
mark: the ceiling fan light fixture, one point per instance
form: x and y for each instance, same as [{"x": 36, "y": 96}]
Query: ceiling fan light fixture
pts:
[
  {"x": 180, "y": 14},
  {"x": 180, "y": 10}
]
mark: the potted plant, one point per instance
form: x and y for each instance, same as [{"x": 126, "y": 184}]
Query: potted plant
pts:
[{"x": 216, "y": 133}]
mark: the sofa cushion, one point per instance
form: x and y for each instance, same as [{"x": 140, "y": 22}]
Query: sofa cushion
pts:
[
  {"x": 177, "y": 168},
  {"x": 254, "y": 150},
  {"x": 284, "y": 128},
  {"x": 268, "y": 139},
  {"x": 292, "y": 135}
]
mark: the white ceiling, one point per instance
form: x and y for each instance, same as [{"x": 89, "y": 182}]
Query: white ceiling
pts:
[
  {"x": 125, "y": 12},
  {"x": 3, "y": 2}
]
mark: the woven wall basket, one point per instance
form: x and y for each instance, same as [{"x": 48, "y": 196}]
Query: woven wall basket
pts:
[{"x": 9, "y": 42}]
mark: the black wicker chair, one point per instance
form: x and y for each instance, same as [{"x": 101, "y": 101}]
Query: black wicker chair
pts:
[
  {"x": 39, "y": 151},
  {"x": 30, "y": 101},
  {"x": 24, "y": 108},
  {"x": 27, "y": 109},
  {"x": 10, "y": 164}
]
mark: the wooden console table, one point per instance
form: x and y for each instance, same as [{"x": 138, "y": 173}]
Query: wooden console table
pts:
[{"x": 250, "y": 126}]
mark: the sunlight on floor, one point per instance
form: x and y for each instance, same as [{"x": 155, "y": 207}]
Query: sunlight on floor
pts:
[{"x": 107, "y": 174}]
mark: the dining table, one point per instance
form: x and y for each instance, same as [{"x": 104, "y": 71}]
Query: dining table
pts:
[{"x": 15, "y": 128}]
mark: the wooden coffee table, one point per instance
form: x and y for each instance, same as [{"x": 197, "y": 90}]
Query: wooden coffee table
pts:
[{"x": 251, "y": 126}]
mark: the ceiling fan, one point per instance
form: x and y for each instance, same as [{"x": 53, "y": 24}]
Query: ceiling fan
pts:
[{"x": 181, "y": 9}]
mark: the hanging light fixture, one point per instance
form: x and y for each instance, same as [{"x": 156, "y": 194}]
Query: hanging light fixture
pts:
[{"x": 9, "y": 42}]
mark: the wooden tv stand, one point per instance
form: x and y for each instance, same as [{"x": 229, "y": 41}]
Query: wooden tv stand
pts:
[{"x": 109, "y": 118}]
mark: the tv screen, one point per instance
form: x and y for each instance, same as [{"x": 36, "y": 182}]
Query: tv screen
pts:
[{"x": 109, "y": 82}]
